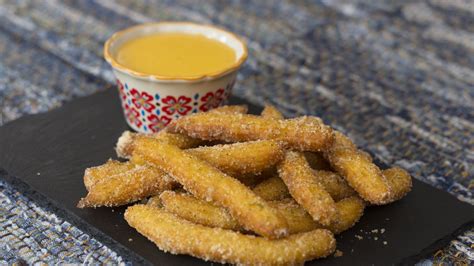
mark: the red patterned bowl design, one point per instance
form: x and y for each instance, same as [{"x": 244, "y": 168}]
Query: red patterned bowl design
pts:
[{"x": 150, "y": 112}]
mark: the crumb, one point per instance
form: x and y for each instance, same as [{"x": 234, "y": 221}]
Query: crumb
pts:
[
  {"x": 352, "y": 250},
  {"x": 387, "y": 219},
  {"x": 38, "y": 173},
  {"x": 385, "y": 242},
  {"x": 382, "y": 230},
  {"x": 359, "y": 237},
  {"x": 376, "y": 238},
  {"x": 375, "y": 231},
  {"x": 130, "y": 240},
  {"x": 113, "y": 210},
  {"x": 338, "y": 253}
]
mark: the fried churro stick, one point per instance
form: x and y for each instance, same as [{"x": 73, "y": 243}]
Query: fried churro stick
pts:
[
  {"x": 110, "y": 168},
  {"x": 271, "y": 111},
  {"x": 124, "y": 145},
  {"x": 198, "y": 211},
  {"x": 334, "y": 184},
  {"x": 129, "y": 186},
  {"x": 304, "y": 133},
  {"x": 208, "y": 183},
  {"x": 400, "y": 182},
  {"x": 241, "y": 158},
  {"x": 179, "y": 236},
  {"x": 230, "y": 109},
  {"x": 205, "y": 213},
  {"x": 237, "y": 159},
  {"x": 298, "y": 176},
  {"x": 349, "y": 211},
  {"x": 272, "y": 188},
  {"x": 358, "y": 170}
]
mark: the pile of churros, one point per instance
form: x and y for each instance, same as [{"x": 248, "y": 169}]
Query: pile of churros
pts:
[{"x": 232, "y": 187}]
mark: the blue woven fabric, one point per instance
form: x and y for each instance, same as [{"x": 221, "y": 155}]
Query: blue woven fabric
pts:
[{"x": 396, "y": 76}]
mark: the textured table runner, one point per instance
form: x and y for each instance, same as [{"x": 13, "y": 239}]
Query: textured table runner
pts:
[{"x": 396, "y": 76}]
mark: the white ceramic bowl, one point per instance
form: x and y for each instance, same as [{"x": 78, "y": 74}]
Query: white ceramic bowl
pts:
[{"x": 150, "y": 102}]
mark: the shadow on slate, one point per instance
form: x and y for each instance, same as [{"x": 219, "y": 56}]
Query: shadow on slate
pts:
[{"x": 46, "y": 154}]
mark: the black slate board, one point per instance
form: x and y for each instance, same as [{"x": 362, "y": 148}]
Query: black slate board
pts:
[{"x": 46, "y": 154}]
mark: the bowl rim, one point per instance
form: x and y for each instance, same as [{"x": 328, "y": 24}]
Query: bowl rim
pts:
[{"x": 156, "y": 77}]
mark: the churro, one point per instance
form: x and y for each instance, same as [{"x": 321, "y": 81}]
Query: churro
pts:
[
  {"x": 235, "y": 159},
  {"x": 334, "y": 184},
  {"x": 241, "y": 158},
  {"x": 270, "y": 111},
  {"x": 298, "y": 176},
  {"x": 198, "y": 211},
  {"x": 230, "y": 109},
  {"x": 400, "y": 182},
  {"x": 110, "y": 168},
  {"x": 186, "y": 206},
  {"x": 303, "y": 133},
  {"x": 272, "y": 188},
  {"x": 126, "y": 187},
  {"x": 359, "y": 171},
  {"x": 208, "y": 183},
  {"x": 178, "y": 236}
]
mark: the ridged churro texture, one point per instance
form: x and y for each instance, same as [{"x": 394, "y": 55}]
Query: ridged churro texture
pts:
[
  {"x": 272, "y": 188},
  {"x": 270, "y": 111},
  {"x": 230, "y": 109},
  {"x": 359, "y": 171},
  {"x": 298, "y": 176},
  {"x": 236, "y": 159},
  {"x": 125, "y": 187},
  {"x": 110, "y": 168},
  {"x": 303, "y": 133},
  {"x": 198, "y": 211},
  {"x": 241, "y": 158},
  {"x": 400, "y": 182},
  {"x": 124, "y": 147},
  {"x": 179, "y": 236},
  {"x": 186, "y": 206},
  {"x": 208, "y": 183},
  {"x": 334, "y": 184}
]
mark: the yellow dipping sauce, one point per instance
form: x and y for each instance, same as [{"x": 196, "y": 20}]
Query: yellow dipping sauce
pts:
[{"x": 176, "y": 55}]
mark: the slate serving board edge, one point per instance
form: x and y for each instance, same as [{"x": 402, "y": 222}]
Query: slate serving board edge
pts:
[{"x": 55, "y": 207}]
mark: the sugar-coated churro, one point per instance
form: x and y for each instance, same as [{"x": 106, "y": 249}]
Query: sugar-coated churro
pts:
[
  {"x": 303, "y": 133},
  {"x": 237, "y": 159},
  {"x": 198, "y": 211},
  {"x": 400, "y": 182},
  {"x": 272, "y": 188},
  {"x": 271, "y": 112},
  {"x": 186, "y": 206},
  {"x": 206, "y": 182},
  {"x": 230, "y": 109},
  {"x": 359, "y": 171},
  {"x": 334, "y": 184},
  {"x": 126, "y": 187},
  {"x": 110, "y": 168},
  {"x": 349, "y": 211},
  {"x": 124, "y": 145},
  {"x": 241, "y": 158},
  {"x": 179, "y": 236},
  {"x": 298, "y": 176}
]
